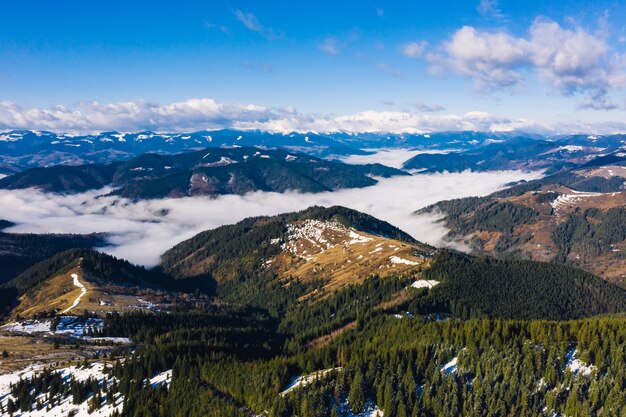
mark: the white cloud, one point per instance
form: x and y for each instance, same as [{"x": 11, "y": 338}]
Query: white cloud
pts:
[
  {"x": 141, "y": 231},
  {"x": 204, "y": 113},
  {"x": 570, "y": 61},
  {"x": 330, "y": 46},
  {"x": 414, "y": 49},
  {"x": 491, "y": 59},
  {"x": 250, "y": 21},
  {"x": 132, "y": 115},
  {"x": 392, "y": 157}
]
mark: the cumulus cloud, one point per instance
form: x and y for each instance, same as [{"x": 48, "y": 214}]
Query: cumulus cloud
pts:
[
  {"x": 131, "y": 115},
  {"x": 205, "y": 113},
  {"x": 490, "y": 59},
  {"x": 414, "y": 49},
  {"x": 141, "y": 231},
  {"x": 250, "y": 21},
  {"x": 569, "y": 60}
]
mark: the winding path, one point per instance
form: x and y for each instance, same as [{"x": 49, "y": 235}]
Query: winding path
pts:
[{"x": 83, "y": 291}]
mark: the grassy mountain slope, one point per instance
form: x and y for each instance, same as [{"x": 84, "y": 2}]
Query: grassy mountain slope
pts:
[
  {"x": 50, "y": 285},
  {"x": 574, "y": 218},
  {"x": 273, "y": 261},
  {"x": 19, "y": 251}
]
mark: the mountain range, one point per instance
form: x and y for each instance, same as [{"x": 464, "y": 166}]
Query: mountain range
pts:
[
  {"x": 29, "y": 149},
  {"x": 212, "y": 171}
]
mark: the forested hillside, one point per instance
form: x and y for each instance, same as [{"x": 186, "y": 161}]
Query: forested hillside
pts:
[
  {"x": 573, "y": 217},
  {"x": 486, "y": 287},
  {"x": 450, "y": 335},
  {"x": 19, "y": 251},
  {"x": 213, "y": 171}
]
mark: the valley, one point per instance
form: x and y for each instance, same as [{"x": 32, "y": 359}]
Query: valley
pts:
[
  {"x": 313, "y": 209},
  {"x": 325, "y": 310}
]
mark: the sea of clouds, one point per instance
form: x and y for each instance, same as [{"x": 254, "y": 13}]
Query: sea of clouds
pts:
[{"x": 141, "y": 231}]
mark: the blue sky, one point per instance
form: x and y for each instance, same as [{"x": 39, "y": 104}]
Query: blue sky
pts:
[{"x": 313, "y": 64}]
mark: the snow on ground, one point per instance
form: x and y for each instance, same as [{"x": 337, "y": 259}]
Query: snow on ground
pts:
[
  {"x": 28, "y": 326},
  {"x": 564, "y": 200},
  {"x": 68, "y": 325},
  {"x": 575, "y": 365},
  {"x": 66, "y": 405},
  {"x": 450, "y": 367},
  {"x": 357, "y": 238},
  {"x": 114, "y": 340},
  {"x": 300, "y": 381},
  {"x": 570, "y": 148},
  {"x": 322, "y": 235},
  {"x": 77, "y": 326},
  {"x": 162, "y": 378},
  {"x": 224, "y": 160},
  {"x": 83, "y": 291},
  {"x": 424, "y": 283},
  {"x": 398, "y": 260}
]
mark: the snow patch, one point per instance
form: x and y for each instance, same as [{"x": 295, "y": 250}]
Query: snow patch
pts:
[
  {"x": 424, "y": 283},
  {"x": 357, "y": 238},
  {"x": 564, "y": 200},
  {"x": 450, "y": 368},
  {"x": 83, "y": 291},
  {"x": 397, "y": 260},
  {"x": 162, "y": 378},
  {"x": 575, "y": 365},
  {"x": 301, "y": 381}
]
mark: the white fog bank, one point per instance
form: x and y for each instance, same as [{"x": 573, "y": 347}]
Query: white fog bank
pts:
[{"x": 141, "y": 231}]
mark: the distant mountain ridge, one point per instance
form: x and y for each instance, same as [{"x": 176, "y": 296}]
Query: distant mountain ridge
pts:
[
  {"x": 441, "y": 151},
  {"x": 521, "y": 153},
  {"x": 212, "y": 171}
]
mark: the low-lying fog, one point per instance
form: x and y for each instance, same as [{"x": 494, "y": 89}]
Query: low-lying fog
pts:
[{"x": 141, "y": 231}]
